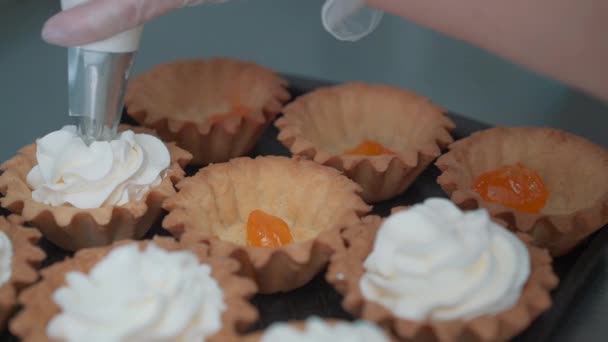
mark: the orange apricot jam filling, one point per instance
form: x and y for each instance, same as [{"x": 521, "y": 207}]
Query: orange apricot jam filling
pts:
[
  {"x": 369, "y": 148},
  {"x": 514, "y": 186},
  {"x": 264, "y": 230},
  {"x": 237, "y": 111}
]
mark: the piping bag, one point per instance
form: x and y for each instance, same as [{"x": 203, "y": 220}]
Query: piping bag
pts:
[{"x": 97, "y": 78}]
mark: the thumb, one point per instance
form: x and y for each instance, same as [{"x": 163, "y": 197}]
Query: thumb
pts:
[{"x": 97, "y": 20}]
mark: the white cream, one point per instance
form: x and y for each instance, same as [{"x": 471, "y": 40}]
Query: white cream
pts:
[
  {"x": 104, "y": 173},
  {"x": 133, "y": 295},
  {"x": 436, "y": 262},
  {"x": 6, "y": 258},
  {"x": 317, "y": 330}
]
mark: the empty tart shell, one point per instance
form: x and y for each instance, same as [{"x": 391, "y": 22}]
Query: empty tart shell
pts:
[
  {"x": 346, "y": 269},
  {"x": 73, "y": 228},
  {"x": 39, "y": 308},
  {"x": 313, "y": 200},
  {"x": 26, "y": 257},
  {"x": 216, "y": 109},
  {"x": 325, "y": 123},
  {"x": 574, "y": 171}
]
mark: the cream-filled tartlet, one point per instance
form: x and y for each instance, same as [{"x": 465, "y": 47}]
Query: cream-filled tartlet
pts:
[
  {"x": 19, "y": 258},
  {"x": 433, "y": 268},
  {"x": 101, "y": 174},
  {"x": 83, "y": 195},
  {"x": 318, "y": 330},
  {"x": 151, "y": 291}
]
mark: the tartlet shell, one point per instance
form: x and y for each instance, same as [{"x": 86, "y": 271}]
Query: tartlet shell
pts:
[
  {"x": 27, "y": 256},
  {"x": 571, "y": 166},
  {"x": 195, "y": 211},
  {"x": 154, "y": 97},
  {"x": 405, "y": 122}
]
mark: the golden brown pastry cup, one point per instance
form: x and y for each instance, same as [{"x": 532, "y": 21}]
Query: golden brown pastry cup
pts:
[
  {"x": 574, "y": 170},
  {"x": 213, "y": 207},
  {"x": 26, "y": 259},
  {"x": 325, "y": 123},
  {"x": 39, "y": 308},
  {"x": 346, "y": 269},
  {"x": 184, "y": 102},
  {"x": 73, "y": 228}
]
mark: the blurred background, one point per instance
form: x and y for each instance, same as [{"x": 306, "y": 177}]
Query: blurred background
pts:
[{"x": 287, "y": 36}]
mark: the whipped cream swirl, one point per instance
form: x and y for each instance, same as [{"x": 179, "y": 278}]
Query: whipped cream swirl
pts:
[
  {"x": 101, "y": 174},
  {"x": 436, "y": 262},
  {"x": 6, "y": 258},
  {"x": 317, "y": 330},
  {"x": 134, "y": 295}
]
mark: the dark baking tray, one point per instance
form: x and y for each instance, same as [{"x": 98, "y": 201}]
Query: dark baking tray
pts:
[{"x": 318, "y": 298}]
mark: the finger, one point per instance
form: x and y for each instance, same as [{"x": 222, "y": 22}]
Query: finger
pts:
[{"x": 100, "y": 19}]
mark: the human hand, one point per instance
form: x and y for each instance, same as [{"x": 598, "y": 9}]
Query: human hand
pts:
[
  {"x": 100, "y": 19},
  {"x": 561, "y": 39}
]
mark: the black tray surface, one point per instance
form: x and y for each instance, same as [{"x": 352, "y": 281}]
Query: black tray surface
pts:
[{"x": 318, "y": 298}]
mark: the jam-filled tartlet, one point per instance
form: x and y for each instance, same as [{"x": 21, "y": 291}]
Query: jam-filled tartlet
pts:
[
  {"x": 19, "y": 258},
  {"x": 157, "y": 290},
  {"x": 279, "y": 217},
  {"x": 432, "y": 272},
  {"x": 81, "y": 195},
  {"x": 545, "y": 182},
  {"x": 315, "y": 329},
  {"x": 379, "y": 136},
  {"x": 216, "y": 108}
]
